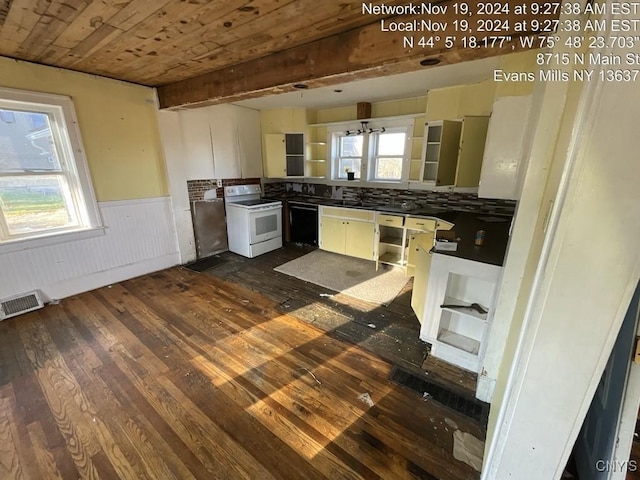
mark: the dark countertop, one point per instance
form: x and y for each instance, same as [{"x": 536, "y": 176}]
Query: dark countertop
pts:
[
  {"x": 466, "y": 224},
  {"x": 494, "y": 247},
  {"x": 419, "y": 212}
]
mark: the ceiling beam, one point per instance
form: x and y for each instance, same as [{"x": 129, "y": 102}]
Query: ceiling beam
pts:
[{"x": 364, "y": 52}]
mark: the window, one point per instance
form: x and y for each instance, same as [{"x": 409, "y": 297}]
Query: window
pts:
[
  {"x": 388, "y": 156},
  {"x": 349, "y": 155},
  {"x": 375, "y": 152},
  {"x": 44, "y": 182}
]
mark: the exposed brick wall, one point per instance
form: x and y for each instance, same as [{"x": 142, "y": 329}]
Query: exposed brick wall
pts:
[{"x": 196, "y": 188}]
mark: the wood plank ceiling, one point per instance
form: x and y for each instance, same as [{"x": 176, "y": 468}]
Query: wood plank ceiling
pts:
[{"x": 212, "y": 51}]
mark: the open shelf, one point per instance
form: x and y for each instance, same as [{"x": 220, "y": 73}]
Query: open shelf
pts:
[
  {"x": 392, "y": 240},
  {"x": 467, "y": 312},
  {"x": 459, "y": 341},
  {"x": 390, "y": 258}
]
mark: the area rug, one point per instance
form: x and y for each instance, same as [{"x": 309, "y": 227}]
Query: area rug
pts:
[{"x": 351, "y": 276}]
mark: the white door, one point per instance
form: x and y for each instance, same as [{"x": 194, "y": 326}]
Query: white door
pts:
[{"x": 595, "y": 443}]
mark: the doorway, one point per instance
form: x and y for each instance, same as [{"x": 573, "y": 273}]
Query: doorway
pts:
[{"x": 599, "y": 452}]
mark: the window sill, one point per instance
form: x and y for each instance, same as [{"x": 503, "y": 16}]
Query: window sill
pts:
[
  {"x": 398, "y": 184},
  {"x": 11, "y": 246}
]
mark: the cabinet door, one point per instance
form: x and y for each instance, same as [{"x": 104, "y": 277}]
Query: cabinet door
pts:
[
  {"x": 249, "y": 142},
  {"x": 294, "y": 150},
  {"x": 503, "y": 152},
  {"x": 332, "y": 234},
  {"x": 424, "y": 240},
  {"x": 472, "y": 140},
  {"x": 197, "y": 144},
  {"x": 360, "y": 237},
  {"x": 420, "y": 282},
  {"x": 275, "y": 155},
  {"x": 442, "y": 225},
  {"x": 448, "y": 159},
  {"x": 224, "y": 129}
]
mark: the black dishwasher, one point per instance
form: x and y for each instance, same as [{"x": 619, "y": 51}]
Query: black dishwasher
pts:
[{"x": 303, "y": 223}]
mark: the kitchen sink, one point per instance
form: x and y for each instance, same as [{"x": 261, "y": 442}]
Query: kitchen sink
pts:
[{"x": 353, "y": 203}]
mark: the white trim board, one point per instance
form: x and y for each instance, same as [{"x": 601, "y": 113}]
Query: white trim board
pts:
[
  {"x": 92, "y": 281},
  {"x": 139, "y": 238}
]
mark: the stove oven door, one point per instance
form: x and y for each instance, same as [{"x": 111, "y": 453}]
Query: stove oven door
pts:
[{"x": 265, "y": 223}]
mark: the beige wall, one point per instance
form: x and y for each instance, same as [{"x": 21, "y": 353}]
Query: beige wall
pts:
[
  {"x": 437, "y": 104},
  {"x": 118, "y": 124},
  {"x": 477, "y": 99},
  {"x": 283, "y": 120}
]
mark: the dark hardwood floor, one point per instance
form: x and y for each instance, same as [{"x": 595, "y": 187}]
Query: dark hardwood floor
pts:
[
  {"x": 391, "y": 332},
  {"x": 185, "y": 375}
]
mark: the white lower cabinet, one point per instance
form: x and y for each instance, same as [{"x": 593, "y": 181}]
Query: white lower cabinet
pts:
[{"x": 458, "y": 309}]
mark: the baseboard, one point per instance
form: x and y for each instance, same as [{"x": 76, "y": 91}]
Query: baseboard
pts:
[
  {"x": 485, "y": 387},
  {"x": 67, "y": 288}
]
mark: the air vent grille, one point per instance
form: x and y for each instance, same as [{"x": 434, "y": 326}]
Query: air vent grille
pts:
[{"x": 13, "y": 306}]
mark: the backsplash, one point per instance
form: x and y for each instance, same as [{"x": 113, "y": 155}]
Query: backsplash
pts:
[
  {"x": 197, "y": 188},
  {"x": 467, "y": 202}
]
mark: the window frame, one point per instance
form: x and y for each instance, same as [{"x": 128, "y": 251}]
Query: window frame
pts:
[
  {"x": 369, "y": 149},
  {"x": 374, "y": 143},
  {"x": 74, "y": 167},
  {"x": 338, "y": 172}
]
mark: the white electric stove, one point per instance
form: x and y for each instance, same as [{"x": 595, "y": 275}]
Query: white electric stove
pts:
[{"x": 254, "y": 224}]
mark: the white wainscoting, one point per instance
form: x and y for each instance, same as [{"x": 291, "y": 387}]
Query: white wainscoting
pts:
[{"x": 139, "y": 238}]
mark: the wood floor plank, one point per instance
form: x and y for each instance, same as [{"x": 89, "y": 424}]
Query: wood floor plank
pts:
[
  {"x": 82, "y": 363},
  {"x": 46, "y": 460},
  {"x": 182, "y": 375},
  {"x": 273, "y": 421},
  {"x": 11, "y": 465},
  {"x": 181, "y": 366},
  {"x": 241, "y": 368},
  {"x": 33, "y": 408},
  {"x": 63, "y": 395},
  {"x": 155, "y": 427},
  {"x": 332, "y": 464}
]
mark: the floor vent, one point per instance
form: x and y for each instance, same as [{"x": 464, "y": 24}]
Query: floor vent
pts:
[
  {"x": 470, "y": 407},
  {"x": 205, "y": 264},
  {"x": 12, "y": 306}
]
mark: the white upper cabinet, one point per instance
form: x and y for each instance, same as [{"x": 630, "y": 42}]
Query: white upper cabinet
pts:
[
  {"x": 197, "y": 144},
  {"x": 223, "y": 127},
  {"x": 502, "y": 161},
  {"x": 249, "y": 142},
  {"x": 222, "y": 141}
]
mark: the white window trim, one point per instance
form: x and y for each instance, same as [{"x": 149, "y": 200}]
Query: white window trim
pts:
[
  {"x": 367, "y": 167},
  {"x": 64, "y": 112},
  {"x": 406, "y": 156},
  {"x": 336, "y": 173}
]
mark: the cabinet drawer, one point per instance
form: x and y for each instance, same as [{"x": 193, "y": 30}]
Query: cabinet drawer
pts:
[
  {"x": 442, "y": 225},
  {"x": 390, "y": 220},
  {"x": 425, "y": 224},
  {"x": 366, "y": 215}
]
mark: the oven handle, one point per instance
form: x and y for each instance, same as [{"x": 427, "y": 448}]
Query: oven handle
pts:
[
  {"x": 265, "y": 208},
  {"x": 309, "y": 209}
]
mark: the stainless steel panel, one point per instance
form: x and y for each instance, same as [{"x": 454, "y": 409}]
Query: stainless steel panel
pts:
[{"x": 210, "y": 227}]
